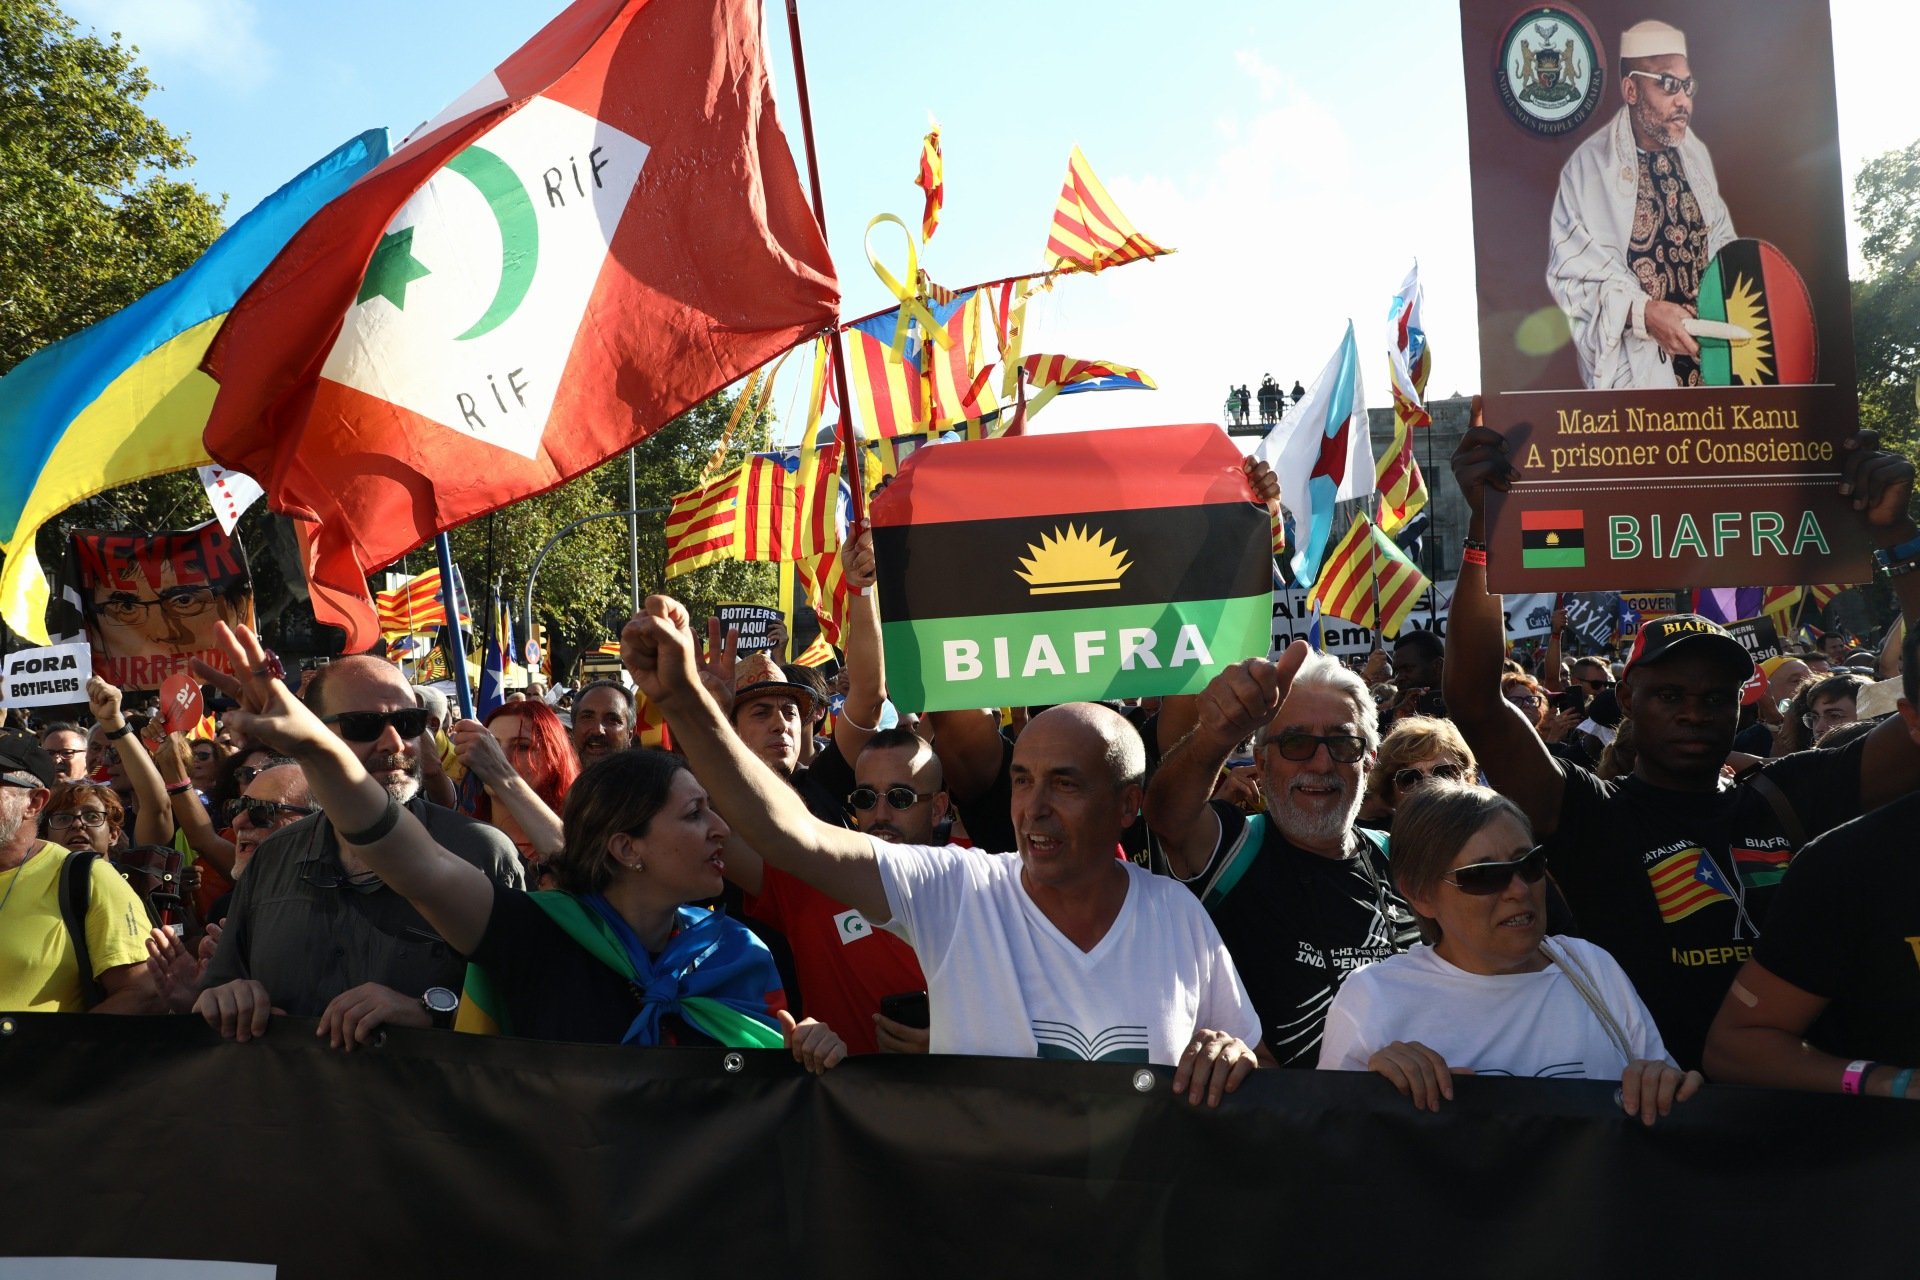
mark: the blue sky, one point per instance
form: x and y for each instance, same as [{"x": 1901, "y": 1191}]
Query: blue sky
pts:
[{"x": 1298, "y": 159}]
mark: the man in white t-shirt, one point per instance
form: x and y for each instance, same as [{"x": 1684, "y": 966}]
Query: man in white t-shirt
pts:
[{"x": 1059, "y": 951}]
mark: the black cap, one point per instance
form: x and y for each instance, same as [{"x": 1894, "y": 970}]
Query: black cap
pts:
[
  {"x": 1662, "y": 637},
  {"x": 21, "y": 753}
]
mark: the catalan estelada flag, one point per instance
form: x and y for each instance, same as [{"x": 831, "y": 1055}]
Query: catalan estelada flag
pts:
[
  {"x": 1553, "y": 539},
  {"x": 767, "y": 508},
  {"x": 125, "y": 398},
  {"x": 1051, "y": 568},
  {"x": 1685, "y": 882},
  {"x": 1403, "y": 490},
  {"x": 959, "y": 392},
  {"x": 1089, "y": 233},
  {"x": 932, "y": 180},
  {"x": 817, "y": 654},
  {"x": 886, "y": 388},
  {"x": 1070, "y": 375},
  {"x": 824, "y": 581},
  {"x": 1364, "y": 568}
]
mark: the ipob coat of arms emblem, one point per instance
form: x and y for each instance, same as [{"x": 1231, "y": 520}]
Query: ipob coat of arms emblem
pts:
[{"x": 1551, "y": 72}]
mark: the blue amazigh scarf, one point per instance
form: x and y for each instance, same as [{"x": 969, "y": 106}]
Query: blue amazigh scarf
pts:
[{"x": 714, "y": 974}]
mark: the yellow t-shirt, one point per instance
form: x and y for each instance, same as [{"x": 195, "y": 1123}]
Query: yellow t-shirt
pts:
[{"x": 39, "y": 972}]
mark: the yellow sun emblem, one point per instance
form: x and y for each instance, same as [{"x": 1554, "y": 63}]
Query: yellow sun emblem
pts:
[
  {"x": 1752, "y": 359},
  {"x": 1076, "y": 559}
]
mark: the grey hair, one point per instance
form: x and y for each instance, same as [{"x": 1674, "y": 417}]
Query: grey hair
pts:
[{"x": 1324, "y": 671}]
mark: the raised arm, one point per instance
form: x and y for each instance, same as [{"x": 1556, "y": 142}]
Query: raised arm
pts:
[
  {"x": 480, "y": 751},
  {"x": 866, "y": 659},
  {"x": 188, "y": 812},
  {"x": 1241, "y": 699},
  {"x": 1880, "y": 482},
  {"x": 153, "y": 821},
  {"x": 658, "y": 650},
  {"x": 454, "y": 895},
  {"x": 1516, "y": 761}
]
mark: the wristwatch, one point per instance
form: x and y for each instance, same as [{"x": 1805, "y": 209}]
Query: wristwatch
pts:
[{"x": 440, "y": 1005}]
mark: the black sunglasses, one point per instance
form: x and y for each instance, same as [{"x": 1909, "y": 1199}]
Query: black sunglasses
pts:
[
  {"x": 263, "y": 812},
  {"x": 1669, "y": 84},
  {"x": 366, "y": 726},
  {"x": 1414, "y": 777},
  {"x": 864, "y": 798},
  {"x": 1483, "y": 879},
  {"x": 1345, "y": 748}
]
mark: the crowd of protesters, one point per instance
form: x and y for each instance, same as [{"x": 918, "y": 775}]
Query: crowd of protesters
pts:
[{"x": 1659, "y": 867}]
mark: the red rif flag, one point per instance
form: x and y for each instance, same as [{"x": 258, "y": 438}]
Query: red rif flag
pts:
[{"x": 603, "y": 232}]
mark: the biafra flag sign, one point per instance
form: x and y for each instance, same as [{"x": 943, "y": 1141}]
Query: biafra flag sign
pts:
[
  {"x": 1751, "y": 286},
  {"x": 1053, "y": 568}
]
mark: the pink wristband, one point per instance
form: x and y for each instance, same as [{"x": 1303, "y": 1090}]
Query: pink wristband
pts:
[{"x": 1855, "y": 1075}]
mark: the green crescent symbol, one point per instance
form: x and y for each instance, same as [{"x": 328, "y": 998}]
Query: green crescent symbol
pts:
[{"x": 519, "y": 233}]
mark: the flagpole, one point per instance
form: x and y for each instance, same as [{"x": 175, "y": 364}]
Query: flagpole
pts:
[
  {"x": 457, "y": 642},
  {"x": 849, "y": 454},
  {"x": 633, "y": 531}
]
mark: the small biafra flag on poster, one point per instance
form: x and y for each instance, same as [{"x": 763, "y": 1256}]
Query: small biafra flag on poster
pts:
[
  {"x": 1553, "y": 539},
  {"x": 1032, "y": 570}
]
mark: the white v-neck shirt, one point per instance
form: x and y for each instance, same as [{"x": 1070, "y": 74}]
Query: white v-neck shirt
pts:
[{"x": 1003, "y": 981}]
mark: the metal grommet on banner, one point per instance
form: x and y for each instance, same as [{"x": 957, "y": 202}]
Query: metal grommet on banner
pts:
[
  {"x": 734, "y": 1063},
  {"x": 7, "y": 1026},
  {"x": 379, "y": 1040},
  {"x": 1143, "y": 1080}
]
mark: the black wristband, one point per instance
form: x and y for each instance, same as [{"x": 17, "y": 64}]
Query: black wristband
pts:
[
  {"x": 385, "y": 823},
  {"x": 126, "y": 727},
  {"x": 1469, "y": 544}
]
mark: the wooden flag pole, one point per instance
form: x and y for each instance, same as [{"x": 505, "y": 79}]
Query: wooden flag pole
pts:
[{"x": 843, "y": 433}]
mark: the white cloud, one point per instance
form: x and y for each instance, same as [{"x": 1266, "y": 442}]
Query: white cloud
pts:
[
  {"x": 1300, "y": 219},
  {"x": 215, "y": 38}
]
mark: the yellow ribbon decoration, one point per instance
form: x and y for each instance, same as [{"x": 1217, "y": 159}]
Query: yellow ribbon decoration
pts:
[{"x": 912, "y": 307}]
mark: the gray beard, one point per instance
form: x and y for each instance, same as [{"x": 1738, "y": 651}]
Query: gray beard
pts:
[
  {"x": 10, "y": 827},
  {"x": 404, "y": 790},
  {"x": 1302, "y": 827}
]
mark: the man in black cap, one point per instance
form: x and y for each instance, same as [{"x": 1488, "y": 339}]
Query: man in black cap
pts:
[
  {"x": 40, "y": 969},
  {"x": 1665, "y": 868}
]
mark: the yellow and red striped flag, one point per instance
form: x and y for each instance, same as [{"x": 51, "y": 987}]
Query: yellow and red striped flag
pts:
[
  {"x": 415, "y": 606},
  {"x": 887, "y": 388},
  {"x": 932, "y": 180},
  {"x": 959, "y": 393},
  {"x": 817, "y": 654},
  {"x": 1346, "y": 585},
  {"x": 1053, "y": 375},
  {"x": 1403, "y": 490},
  {"x": 825, "y": 584},
  {"x": 773, "y": 506},
  {"x": 703, "y": 525},
  {"x": 1089, "y": 233}
]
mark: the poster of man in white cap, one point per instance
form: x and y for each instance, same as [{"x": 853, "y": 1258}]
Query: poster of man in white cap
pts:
[
  {"x": 1636, "y": 221},
  {"x": 1666, "y": 338}
]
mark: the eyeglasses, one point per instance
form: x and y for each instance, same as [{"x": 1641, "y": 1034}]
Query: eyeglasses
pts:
[
  {"x": 1525, "y": 698},
  {"x": 261, "y": 813},
  {"x": 76, "y": 818},
  {"x": 1831, "y": 716},
  {"x": 1667, "y": 83},
  {"x": 367, "y": 726},
  {"x": 66, "y": 755},
  {"x": 864, "y": 798},
  {"x": 1595, "y": 684},
  {"x": 176, "y": 602},
  {"x": 1483, "y": 879},
  {"x": 1345, "y": 748},
  {"x": 1413, "y": 777}
]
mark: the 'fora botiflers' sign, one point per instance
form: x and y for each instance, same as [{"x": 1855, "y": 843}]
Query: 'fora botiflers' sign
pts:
[{"x": 53, "y": 676}]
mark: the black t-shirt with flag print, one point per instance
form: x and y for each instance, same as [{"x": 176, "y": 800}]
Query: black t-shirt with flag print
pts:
[
  {"x": 1676, "y": 884},
  {"x": 1845, "y": 925},
  {"x": 1296, "y": 924}
]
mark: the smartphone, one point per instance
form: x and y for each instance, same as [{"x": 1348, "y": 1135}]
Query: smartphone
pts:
[
  {"x": 1569, "y": 699},
  {"x": 909, "y": 1009}
]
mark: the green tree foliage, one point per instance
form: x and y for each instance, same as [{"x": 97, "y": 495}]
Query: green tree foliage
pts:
[
  {"x": 91, "y": 214},
  {"x": 1886, "y": 304}
]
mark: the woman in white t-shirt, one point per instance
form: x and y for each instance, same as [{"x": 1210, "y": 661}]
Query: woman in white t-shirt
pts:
[{"x": 1486, "y": 992}]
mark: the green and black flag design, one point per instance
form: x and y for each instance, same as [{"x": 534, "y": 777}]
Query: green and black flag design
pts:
[{"x": 1044, "y": 569}]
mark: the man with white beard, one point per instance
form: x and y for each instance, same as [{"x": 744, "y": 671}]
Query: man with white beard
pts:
[{"x": 1300, "y": 895}]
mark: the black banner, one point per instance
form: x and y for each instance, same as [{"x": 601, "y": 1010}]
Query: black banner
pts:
[{"x": 444, "y": 1155}]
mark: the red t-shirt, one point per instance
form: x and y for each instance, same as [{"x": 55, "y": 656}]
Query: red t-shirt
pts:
[{"x": 845, "y": 965}]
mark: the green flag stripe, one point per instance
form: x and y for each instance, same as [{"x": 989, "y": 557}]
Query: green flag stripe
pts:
[
  {"x": 1542, "y": 558},
  {"x": 940, "y": 664}
]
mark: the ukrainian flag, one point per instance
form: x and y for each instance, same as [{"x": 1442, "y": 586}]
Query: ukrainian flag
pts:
[{"x": 125, "y": 399}]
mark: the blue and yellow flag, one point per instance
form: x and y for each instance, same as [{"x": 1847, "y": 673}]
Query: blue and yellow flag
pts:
[{"x": 125, "y": 399}]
